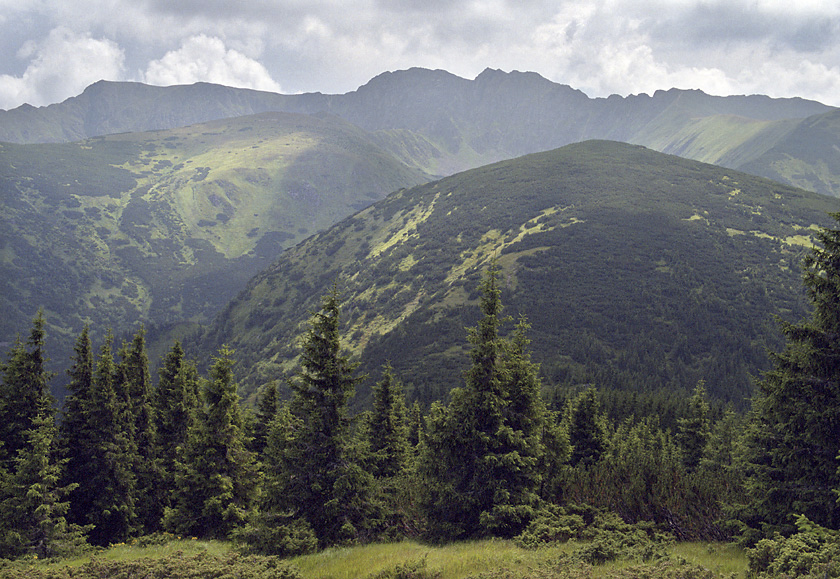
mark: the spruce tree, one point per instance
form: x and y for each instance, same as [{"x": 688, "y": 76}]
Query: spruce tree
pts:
[
  {"x": 78, "y": 440},
  {"x": 97, "y": 440},
  {"x": 24, "y": 392},
  {"x": 387, "y": 427},
  {"x": 793, "y": 438},
  {"x": 134, "y": 382},
  {"x": 309, "y": 460},
  {"x": 266, "y": 410},
  {"x": 587, "y": 433},
  {"x": 218, "y": 480},
  {"x": 480, "y": 457},
  {"x": 176, "y": 403},
  {"x": 695, "y": 428},
  {"x": 33, "y": 504}
]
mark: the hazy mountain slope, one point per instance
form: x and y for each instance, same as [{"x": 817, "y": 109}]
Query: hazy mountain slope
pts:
[
  {"x": 167, "y": 227},
  {"x": 807, "y": 156},
  {"x": 457, "y": 123},
  {"x": 636, "y": 270}
]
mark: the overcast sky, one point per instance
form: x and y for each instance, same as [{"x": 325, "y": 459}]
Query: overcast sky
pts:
[{"x": 52, "y": 49}]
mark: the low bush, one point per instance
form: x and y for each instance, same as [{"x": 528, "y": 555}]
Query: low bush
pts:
[
  {"x": 813, "y": 551},
  {"x": 176, "y": 566}
]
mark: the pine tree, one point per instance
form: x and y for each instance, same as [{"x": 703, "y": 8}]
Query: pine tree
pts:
[
  {"x": 266, "y": 410},
  {"x": 481, "y": 455},
  {"x": 134, "y": 382},
  {"x": 387, "y": 427},
  {"x": 315, "y": 475},
  {"x": 76, "y": 434},
  {"x": 176, "y": 405},
  {"x": 694, "y": 429},
  {"x": 793, "y": 438},
  {"x": 101, "y": 450},
  {"x": 218, "y": 478},
  {"x": 33, "y": 505},
  {"x": 587, "y": 433},
  {"x": 24, "y": 392}
]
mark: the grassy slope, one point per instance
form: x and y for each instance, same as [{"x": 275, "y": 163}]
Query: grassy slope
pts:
[
  {"x": 636, "y": 270},
  {"x": 454, "y": 561},
  {"x": 166, "y": 227}
]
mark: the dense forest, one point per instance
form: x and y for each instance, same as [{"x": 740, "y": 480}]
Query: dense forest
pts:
[{"x": 127, "y": 456}]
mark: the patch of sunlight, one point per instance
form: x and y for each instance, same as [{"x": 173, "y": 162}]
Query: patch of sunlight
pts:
[
  {"x": 803, "y": 240},
  {"x": 733, "y": 232}
]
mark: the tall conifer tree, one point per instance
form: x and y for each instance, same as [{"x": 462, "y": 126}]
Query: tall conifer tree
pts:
[
  {"x": 481, "y": 455},
  {"x": 102, "y": 452},
  {"x": 794, "y": 438},
  {"x": 388, "y": 429},
  {"x": 308, "y": 461},
  {"x": 24, "y": 392},
  {"x": 135, "y": 384},
  {"x": 218, "y": 477},
  {"x": 33, "y": 504},
  {"x": 176, "y": 406}
]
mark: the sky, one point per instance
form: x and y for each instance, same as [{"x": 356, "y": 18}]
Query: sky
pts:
[{"x": 51, "y": 50}]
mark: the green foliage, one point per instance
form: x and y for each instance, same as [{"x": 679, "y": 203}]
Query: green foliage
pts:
[
  {"x": 587, "y": 430},
  {"x": 101, "y": 448},
  {"x": 217, "y": 479},
  {"x": 175, "y": 566},
  {"x": 277, "y": 534},
  {"x": 409, "y": 570},
  {"x": 694, "y": 433},
  {"x": 33, "y": 505},
  {"x": 24, "y": 392},
  {"x": 388, "y": 429},
  {"x": 478, "y": 464},
  {"x": 310, "y": 468},
  {"x": 135, "y": 385},
  {"x": 812, "y": 552},
  {"x": 176, "y": 405},
  {"x": 792, "y": 449}
]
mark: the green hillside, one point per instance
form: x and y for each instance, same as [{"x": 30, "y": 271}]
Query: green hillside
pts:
[
  {"x": 166, "y": 227},
  {"x": 440, "y": 123},
  {"x": 637, "y": 270},
  {"x": 808, "y": 156}
]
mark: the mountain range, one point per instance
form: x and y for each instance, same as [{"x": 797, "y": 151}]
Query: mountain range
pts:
[
  {"x": 131, "y": 203},
  {"x": 636, "y": 270}
]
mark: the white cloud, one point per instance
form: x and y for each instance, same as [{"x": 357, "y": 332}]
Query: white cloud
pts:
[
  {"x": 60, "y": 66},
  {"x": 206, "y": 59}
]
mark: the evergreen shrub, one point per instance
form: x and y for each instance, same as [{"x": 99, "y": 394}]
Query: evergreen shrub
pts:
[{"x": 813, "y": 551}]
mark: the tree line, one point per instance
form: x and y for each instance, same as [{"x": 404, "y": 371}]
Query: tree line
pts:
[{"x": 126, "y": 457}]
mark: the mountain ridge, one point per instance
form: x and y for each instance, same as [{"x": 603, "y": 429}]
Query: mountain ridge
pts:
[
  {"x": 623, "y": 259},
  {"x": 470, "y": 123}
]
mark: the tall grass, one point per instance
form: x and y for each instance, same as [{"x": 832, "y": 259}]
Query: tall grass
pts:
[{"x": 496, "y": 558}]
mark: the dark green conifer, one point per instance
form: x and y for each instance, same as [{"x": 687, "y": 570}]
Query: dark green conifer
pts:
[
  {"x": 315, "y": 475},
  {"x": 387, "y": 427},
  {"x": 134, "y": 382},
  {"x": 33, "y": 503},
  {"x": 24, "y": 392},
  {"x": 107, "y": 487},
  {"x": 176, "y": 406},
  {"x": 587, "y": 433},
  {"x": 217, "y": 481},
  {"x": 793, "y": 438},
  {"x": 694, "y": 429},
  {"x": 266, "y": 410},
  {"x": 480, "y": 457}
]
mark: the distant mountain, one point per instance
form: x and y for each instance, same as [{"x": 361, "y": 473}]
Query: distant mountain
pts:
[
  {"x": 441, "y": 123},
  {"x": 166, "y": 227},
  {"x": 637, "y": 270}
]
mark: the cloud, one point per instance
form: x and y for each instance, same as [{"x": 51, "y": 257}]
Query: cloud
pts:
[
  {"x": 206, "y": 59},
  {"x": 60, "y": 66},
  {"x": 599, "y": 46}
]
